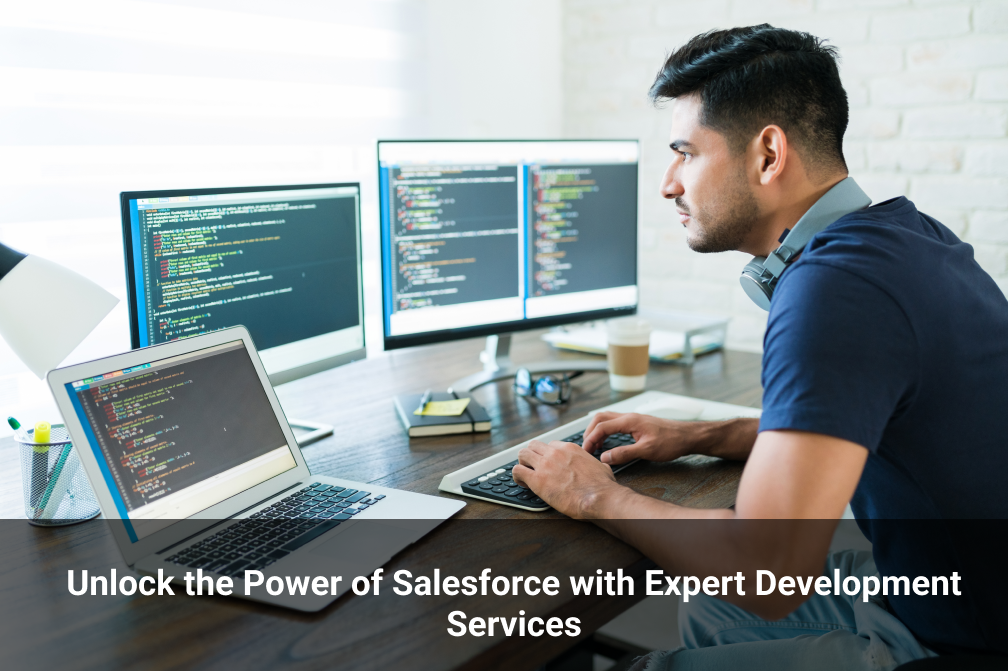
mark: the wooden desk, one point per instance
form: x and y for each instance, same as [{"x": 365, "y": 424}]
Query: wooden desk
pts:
[{"x": 386, "y": 631}]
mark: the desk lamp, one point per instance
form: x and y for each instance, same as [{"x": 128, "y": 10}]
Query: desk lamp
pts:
[{"x": 46, "y": 310}]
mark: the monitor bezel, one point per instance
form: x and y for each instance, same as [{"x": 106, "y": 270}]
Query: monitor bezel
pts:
[
  {"x": 278, "y": 377},
  {"x": 448, "y": 335}
]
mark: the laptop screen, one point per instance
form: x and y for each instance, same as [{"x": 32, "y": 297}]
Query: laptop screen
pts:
[{"x": 175, "y": 436}]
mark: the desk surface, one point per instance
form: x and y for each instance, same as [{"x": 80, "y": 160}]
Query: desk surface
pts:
[{"x": 370, "y": 446}]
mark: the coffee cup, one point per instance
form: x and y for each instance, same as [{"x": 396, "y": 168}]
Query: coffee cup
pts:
[{"x": 628, "y": 339}]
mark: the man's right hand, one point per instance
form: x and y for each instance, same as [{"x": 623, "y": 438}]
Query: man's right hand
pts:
[{"x": 656, "y": 439}]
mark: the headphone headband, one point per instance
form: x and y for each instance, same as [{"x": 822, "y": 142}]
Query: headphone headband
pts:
[{"x": 760, "y": 276}]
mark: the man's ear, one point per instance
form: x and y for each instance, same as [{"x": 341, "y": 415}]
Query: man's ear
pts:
[{"x": 769, "y": 153}]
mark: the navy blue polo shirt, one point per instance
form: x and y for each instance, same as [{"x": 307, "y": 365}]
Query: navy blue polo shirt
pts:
[{"x": 887, "y": 333}]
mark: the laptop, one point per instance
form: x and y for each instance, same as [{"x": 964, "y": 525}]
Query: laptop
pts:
[{"x": 196, "y": 469}]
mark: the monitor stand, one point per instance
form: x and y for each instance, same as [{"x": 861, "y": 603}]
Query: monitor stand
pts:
[
  {"x": 309, "y": 432},
  {"x": 497, "y": 365},
  {"x": 315, "y": 430}
]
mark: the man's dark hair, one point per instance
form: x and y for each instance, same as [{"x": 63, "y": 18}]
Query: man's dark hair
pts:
[{"x": 748, "y": 78}]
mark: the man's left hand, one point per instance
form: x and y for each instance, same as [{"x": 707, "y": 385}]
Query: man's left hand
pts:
[{"x": 565, "y": 476}]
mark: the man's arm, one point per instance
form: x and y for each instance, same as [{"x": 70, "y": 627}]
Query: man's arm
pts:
[{"x": 800, "y": 480}]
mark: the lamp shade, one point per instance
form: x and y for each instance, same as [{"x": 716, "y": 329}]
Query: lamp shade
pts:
[{"x": 47, "y": 310}]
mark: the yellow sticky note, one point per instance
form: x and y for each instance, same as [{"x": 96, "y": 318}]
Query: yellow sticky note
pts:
[{"x": 444, "y": 408}]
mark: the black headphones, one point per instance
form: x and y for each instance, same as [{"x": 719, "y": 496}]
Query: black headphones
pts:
[{"x": 760, "y": 276}]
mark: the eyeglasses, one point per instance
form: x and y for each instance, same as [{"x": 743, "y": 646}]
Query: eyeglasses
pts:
[{"x": 548, "y": 389}]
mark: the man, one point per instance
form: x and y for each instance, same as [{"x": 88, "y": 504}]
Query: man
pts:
[{"x": 885, "y": 375}]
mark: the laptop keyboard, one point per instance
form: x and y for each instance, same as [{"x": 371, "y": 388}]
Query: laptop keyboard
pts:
[
  {"x": 274, "y": 532},
  {"x": 499, "y": 485}
]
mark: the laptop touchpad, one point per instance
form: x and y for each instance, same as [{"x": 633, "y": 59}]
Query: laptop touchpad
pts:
[{"x": 367, "y": 538}]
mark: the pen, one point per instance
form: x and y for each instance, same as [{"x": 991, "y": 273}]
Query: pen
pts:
[
  {"x": 424, "y": 400},
  {"x": 63, "y": 480},
  {"x": 57, "y": 470}
]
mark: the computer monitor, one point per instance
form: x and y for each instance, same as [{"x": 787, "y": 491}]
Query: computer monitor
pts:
[
  {"x": 491, "y": 237},
  {"x": 283, "y": 261}
]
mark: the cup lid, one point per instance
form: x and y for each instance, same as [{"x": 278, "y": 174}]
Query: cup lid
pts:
[{"x": 628, "y": 331}]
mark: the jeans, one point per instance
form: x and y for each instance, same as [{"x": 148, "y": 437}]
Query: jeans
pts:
[{"x": 824, "y": 633}]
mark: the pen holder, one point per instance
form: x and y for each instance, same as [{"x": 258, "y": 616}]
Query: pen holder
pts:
[{"x": 56, "y": 489}]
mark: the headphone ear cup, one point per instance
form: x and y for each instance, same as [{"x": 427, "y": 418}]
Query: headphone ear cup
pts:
[{"x": 757, "y": 283}]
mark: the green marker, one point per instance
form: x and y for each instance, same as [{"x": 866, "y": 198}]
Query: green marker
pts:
[
  {"x": 16, "y": 425},
  {"x": 40, "y": 459}
]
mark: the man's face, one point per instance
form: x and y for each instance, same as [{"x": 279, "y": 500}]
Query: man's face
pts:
[{"x": 708, "y": 183}]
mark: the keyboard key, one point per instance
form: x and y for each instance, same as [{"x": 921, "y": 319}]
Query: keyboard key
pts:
[
  {"x": 513, "y": 492},
  {"x": 304, "y": 539},
  {"x": 486, "y": 485},
  {"x": 357, "y": 497},
  {"x": 524, "y": 496},
  {"x": 379, "y": 497},
  {"x": 341, "y": 517},
  {"x": 234, "y": 567},
  {"x": 219, "y": 563},
  {"x": 537, "y": 501},
  {"x": 279, "y": 554},
  {"x": 499, "y": 489},
  {"x": 494, "y": 482}
]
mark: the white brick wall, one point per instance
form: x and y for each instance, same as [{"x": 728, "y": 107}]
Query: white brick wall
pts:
[{"x": 928, "y": 87}]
